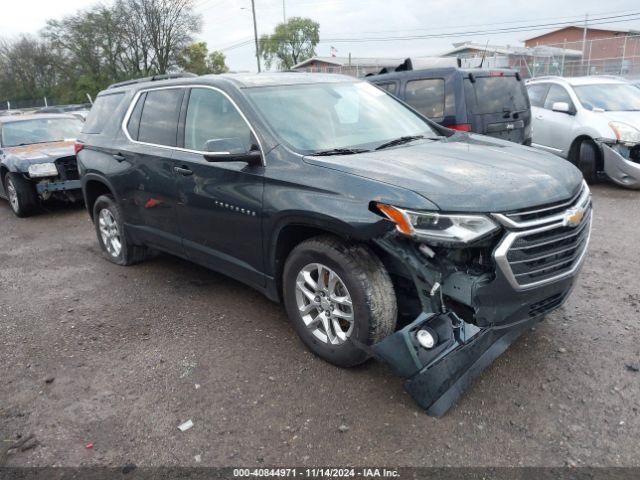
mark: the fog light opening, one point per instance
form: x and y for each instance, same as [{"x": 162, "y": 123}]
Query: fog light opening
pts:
[{"x": 426, "y": 339}]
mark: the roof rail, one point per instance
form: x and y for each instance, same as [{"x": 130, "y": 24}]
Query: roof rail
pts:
[
  {"x": 154, "y": 78},
  {"x": 420, "y": 63},
  {"x": 548, "y": 77}
]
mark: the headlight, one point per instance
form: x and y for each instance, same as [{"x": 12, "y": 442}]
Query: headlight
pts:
[
  {"x": 439, "y": 227},
  {"x": 43, "y": 170},
  {"x": 625, "y": 133}
]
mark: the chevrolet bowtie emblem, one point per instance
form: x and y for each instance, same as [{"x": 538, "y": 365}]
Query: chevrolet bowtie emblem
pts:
[{"x": 573, "y": 217}]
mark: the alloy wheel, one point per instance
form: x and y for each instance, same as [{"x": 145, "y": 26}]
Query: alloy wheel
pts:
[
  {"x": 324, "y": 304},
  {"x": 12, "y": 193},
  {"x": 109, "y": 232}
]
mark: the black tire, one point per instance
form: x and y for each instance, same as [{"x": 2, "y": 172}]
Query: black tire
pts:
[
  {"x": 367, "y": 281},
  {"x": 26, "y": 198},
  {"x": 129, "y": 253},
  {"x": 587, "y": 160}
]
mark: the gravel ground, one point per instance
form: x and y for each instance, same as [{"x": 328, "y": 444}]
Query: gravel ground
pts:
[{"x": 131, "y": 353}]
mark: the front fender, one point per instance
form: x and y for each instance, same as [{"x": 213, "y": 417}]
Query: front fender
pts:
[
  {"x": 362, "y": 230},
  {"x": 13, "y": 164}
]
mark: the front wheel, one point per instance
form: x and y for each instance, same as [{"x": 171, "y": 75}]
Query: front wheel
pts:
[
  {"x": 587, "y": 160},
  {"x": 336, "y": 292},
  {"x": 21, "y": 194}
]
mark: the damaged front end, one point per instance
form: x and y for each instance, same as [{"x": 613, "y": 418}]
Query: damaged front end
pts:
[
  {"x": 465, "y": 302},
  {"x": 622, "y": 162}
]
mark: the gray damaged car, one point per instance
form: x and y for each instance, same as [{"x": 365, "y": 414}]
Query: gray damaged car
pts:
[
  {"x": 37, "y": 160},
  {"x": 594, "y": 122}
]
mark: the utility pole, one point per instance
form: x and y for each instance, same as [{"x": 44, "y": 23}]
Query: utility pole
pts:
[
  {"x": 584, "y": 38},
  {"x": 284, "y": 12},
  {"x": 255, "y": 33}
]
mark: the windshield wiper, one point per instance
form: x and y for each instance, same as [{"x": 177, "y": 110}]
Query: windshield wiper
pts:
[
  {"x": 339, "y": 151},
  {"x": 36, "y": 143},
  {"x": 399, "y": 141}
]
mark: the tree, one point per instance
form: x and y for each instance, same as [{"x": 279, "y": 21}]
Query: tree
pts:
[
  {"x": 126, "y": 39},
  {"x": 167, "y": 26},
  {"x": 196, "y": 59},
  {"x": 217, "y": 62},
  {"x": 291, "y": 42},
  {"x": 28, "y": 69}
]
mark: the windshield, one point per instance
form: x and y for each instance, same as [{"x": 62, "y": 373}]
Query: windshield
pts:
[
  {"x": 318, "y": 117},
  {"x": 613, "y": 97},
  {"x": 497, "y": 95},
  {"x": 41, "y": 130}
]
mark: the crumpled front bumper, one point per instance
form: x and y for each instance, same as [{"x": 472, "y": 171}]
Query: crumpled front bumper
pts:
[
  {"x": 46, "y": 187},
  {"x": 437, "y": 377},
  {"x": 619, "y": 169}
]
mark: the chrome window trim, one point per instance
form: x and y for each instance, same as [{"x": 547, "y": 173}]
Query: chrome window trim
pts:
[
  {"x": 582, "y": 201},
  {"x": 500, "y": 256},
  {"x": 136, "y": 97}
]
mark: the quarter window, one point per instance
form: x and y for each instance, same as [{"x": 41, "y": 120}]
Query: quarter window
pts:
[
  {"x": 557, "y": 94},
  {"x": 133, "y": 126},
  {"x": 159, "y": 119},
  {"x": 426, "y": 96},
  {"x": 212, "y": 116},
  {"x": 101, "y": 111}
]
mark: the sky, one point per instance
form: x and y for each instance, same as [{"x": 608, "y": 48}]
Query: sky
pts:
[{"x": 227, "y": 23}]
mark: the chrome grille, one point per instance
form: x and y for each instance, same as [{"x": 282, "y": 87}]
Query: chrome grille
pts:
[
  {"x": 546, "y": 211},
  {"x": 550, "y": 251}
]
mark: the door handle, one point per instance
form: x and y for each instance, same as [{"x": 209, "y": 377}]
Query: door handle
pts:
[
  {"x": 119, "y": 157},
  {"x": 183, "y": 171}
]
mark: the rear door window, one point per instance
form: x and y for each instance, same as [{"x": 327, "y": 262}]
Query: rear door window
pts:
[
  {"x": 159, "y": 119},
  {"x": 499, "y": 94},
  {"x": 101, "y": 111},
  {"x": 426, "y": 96},
  {"x": 537, "y": 94}
]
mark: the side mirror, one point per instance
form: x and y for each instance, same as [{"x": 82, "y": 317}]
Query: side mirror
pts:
[
  {"x": 562, "y": 107},
  {"x": 231, "y": 150}
]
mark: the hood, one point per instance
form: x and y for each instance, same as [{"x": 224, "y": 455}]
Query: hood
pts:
[
  {"x": 469, "y": 173},
  {"x": 630, "y": 118},
  {"x": 23, "y": 156}
]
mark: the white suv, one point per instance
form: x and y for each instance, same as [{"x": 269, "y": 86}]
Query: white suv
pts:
[{"x": 594, "y": 122}]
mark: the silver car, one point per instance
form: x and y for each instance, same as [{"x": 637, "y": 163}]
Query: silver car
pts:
[{"x": 594, "y": 122}]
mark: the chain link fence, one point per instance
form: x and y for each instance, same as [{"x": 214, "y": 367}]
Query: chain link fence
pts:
[
  {"x": 619, "y": 56},
  {"x": 34, "y": 104}
]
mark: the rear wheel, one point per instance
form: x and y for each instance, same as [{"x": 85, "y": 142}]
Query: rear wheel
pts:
[
  {"x": 336, "y": 292},
  {"x": 21, "y": 194},
  {"x": 109, "y": 225},
  {"x": 587, "y": 160}
]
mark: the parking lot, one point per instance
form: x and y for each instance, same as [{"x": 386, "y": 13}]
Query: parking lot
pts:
[{"x": 93, "y": 353}]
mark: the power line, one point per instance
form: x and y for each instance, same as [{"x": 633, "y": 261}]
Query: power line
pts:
[
  {"x": 524, "y": 28},
  {"x": 572, "y": 17}
]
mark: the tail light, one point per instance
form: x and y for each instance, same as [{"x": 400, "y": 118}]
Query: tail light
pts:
[
  {"x": 496, "y": 74},
  {"x": 463, "y": 127},
  {"x": 77, "y": 147}
]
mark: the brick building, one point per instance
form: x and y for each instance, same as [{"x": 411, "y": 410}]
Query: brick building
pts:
[{"x": 604, "y": 51}]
